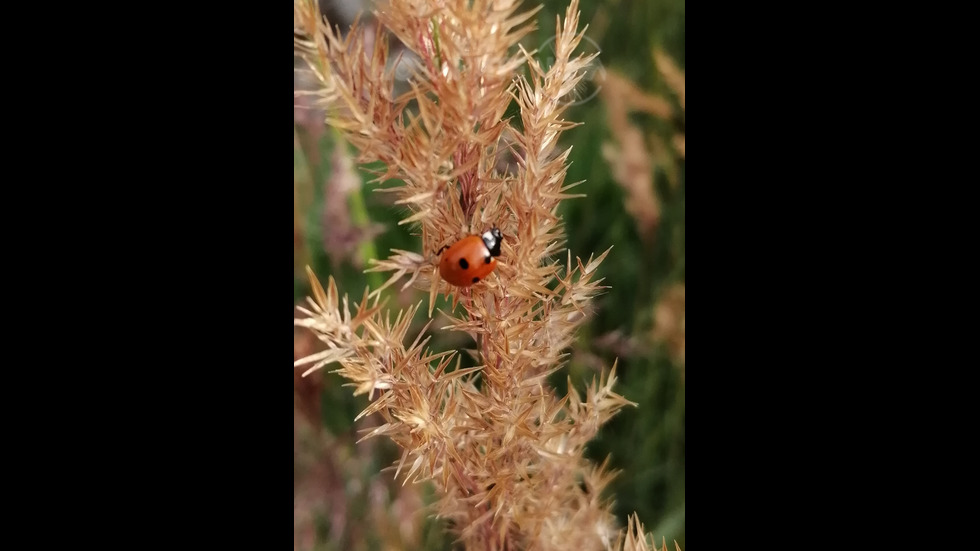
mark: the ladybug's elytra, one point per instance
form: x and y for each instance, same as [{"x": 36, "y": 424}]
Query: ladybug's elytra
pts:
[{"x": 470, "y": 259}]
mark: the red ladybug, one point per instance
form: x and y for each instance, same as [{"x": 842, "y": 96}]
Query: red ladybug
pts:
[{"x": 470, "y": 259}]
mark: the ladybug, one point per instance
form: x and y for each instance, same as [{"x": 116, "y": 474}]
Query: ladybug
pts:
[{"x": 470, "y": 259}]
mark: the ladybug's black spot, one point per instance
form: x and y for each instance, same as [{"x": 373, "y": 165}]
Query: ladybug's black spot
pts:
[
  {"x": 476, "y": 279},
  {"x": 464, "y": 264},
  {"x": 487, "y": 259}
]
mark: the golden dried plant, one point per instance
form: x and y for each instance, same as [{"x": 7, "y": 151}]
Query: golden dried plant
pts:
[
  {"x": 671, "y": 73},
  {"x": 503, "y": 451},
  {"x": 631, "y": 159},
  {"x": 669, "y": 318},
  {"x": 674, "y": 77}
]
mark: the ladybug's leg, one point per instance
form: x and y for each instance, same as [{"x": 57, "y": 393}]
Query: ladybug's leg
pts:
[{"x": 436, "y": 254}]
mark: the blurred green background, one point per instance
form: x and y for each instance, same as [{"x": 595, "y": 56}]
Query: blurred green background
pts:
[{"x": 630, "y": 151}]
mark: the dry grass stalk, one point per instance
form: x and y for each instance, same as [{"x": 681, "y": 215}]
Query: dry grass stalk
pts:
[
  {"x": 675, "y": 80},
  {"x": 669, "y": 322},
  {"x": 504, "y": 452},
  {"x": 672, "y": 74},
  {"x": 628, "y": 156},
  {"x": 636, "y": 539},
  {"x": 631, "y": 158}
]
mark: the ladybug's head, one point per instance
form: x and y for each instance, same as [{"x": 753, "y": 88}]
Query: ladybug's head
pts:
[{"x": 492, "y": 240}]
